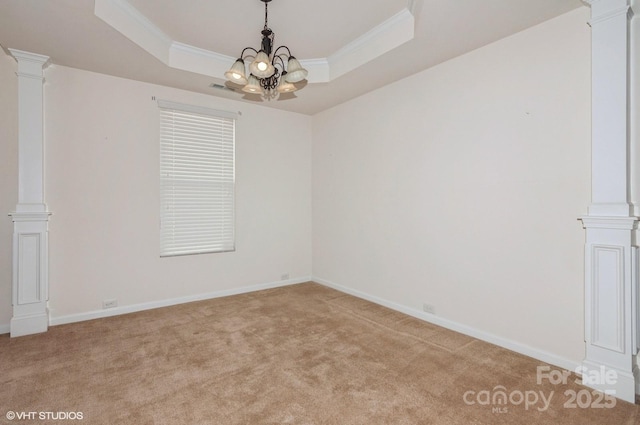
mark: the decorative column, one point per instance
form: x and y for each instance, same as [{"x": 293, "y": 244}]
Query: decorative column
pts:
[
  {"x": 30, "y": 247},
  {"x": 610, "y": 255}
]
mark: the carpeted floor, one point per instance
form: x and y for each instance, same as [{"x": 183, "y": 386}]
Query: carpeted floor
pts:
[{"x": 302, "y": 354}]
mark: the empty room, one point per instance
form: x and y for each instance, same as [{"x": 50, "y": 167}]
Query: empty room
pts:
[{"x": 301, "y": 212}]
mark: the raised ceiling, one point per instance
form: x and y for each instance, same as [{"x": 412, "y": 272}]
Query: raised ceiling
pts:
[
  {"x": 214, "y": 25},
  {"x": 350, "y": 47}
]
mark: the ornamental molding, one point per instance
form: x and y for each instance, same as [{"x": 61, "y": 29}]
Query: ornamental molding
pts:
[{"x": 615, "y": 223}]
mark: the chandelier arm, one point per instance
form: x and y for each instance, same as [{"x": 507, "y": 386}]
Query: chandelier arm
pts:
[
  {"x": 245, "y": 49},
  {"x": 275, "y": 60},
  {"x": 282, "y": 47}
]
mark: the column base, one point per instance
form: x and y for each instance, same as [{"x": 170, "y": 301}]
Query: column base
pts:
[
  {"x": 610, "y": 380},
  {"x": 28, "y": 325},
  {"x": 30, "y": 273}
]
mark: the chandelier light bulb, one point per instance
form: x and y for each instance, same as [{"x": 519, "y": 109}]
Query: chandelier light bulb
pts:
[
  {"x": 236, "y": 73},
  {"x": 284, "y": 86},
  {"x": 261, "y": 66},
  {"x": 253, "y": 85}
]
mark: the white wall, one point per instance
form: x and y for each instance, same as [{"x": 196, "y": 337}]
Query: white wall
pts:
[
  {"x": 461, "y": 187},
  {"x": 102, "y": 171},
  {"x": 8, "y": 178}
]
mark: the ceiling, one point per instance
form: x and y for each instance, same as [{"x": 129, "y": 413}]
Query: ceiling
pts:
[{"x": 350, "y": 47}]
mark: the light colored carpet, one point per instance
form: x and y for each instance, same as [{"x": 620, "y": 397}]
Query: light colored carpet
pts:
[{"x": 302, "y": 354}]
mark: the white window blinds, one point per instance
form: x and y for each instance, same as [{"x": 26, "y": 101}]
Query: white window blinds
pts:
[{"x": 197, "y": 179}]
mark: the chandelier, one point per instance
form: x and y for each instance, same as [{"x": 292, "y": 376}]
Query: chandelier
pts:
[{"x": 268, "y": 74}]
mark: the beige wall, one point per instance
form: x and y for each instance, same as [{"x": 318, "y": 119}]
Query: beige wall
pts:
[
  {"x": 102, "y": 171},
  {"x": 8, "y": 177},
  {"x": 461, "y": 186}
]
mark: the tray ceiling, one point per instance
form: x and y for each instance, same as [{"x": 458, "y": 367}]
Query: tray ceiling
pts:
[{"x": 350, "y": 47}]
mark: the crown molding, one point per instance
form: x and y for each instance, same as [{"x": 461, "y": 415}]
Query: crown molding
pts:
[
  {"x": 201, "y": 61},
  {"x": 390, "y": 34},
  {"x": 128, "y": 21},
  {"x": 319, "y": 70}
]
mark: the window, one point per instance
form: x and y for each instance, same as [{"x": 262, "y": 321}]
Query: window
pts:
[{"x": 197, "y": 179}]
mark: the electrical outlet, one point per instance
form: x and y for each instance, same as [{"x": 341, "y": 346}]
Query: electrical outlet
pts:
[
  {"x": 284, "y": 276},
  {"x": 109, "y": 303},
  {"x": 428, "y": 308}
]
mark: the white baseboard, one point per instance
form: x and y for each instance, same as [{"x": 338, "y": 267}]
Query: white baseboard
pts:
[
  {"x": 98, "y": 314},
  {"x": 526, "y": 350},
  {"x": 518, "y": 347}
]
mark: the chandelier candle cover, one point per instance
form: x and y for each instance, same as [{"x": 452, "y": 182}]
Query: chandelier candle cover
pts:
[{"x": 268, "y": 74}]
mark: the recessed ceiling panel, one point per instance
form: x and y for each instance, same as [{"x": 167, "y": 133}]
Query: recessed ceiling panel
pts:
[{"x": 311, "y": 28}]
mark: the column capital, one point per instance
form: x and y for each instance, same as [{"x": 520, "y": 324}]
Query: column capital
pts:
[
  {"x": 609, "y": 3},
  {"x": 30, "y": 65},
  {"x": 21, "y": 55},
  {"x": 602, "y": 10}
]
